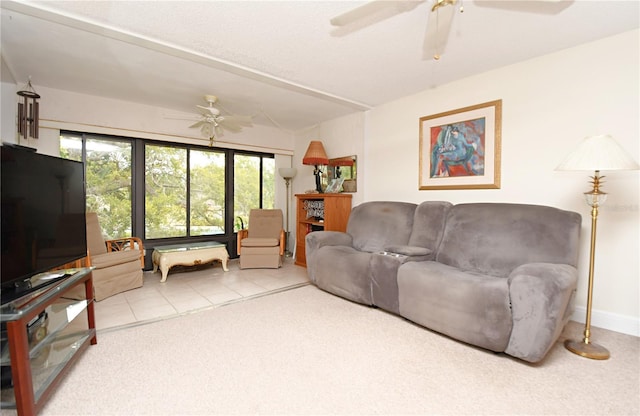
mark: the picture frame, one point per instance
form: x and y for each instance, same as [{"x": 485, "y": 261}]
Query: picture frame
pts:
[
  {"x": 335, "y": 186},
  {"x": 461, "y": 149}
]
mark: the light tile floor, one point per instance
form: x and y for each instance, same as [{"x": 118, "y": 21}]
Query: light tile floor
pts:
[{"x": 191, "y": 289}]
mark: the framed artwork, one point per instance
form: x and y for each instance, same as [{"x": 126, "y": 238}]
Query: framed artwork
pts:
[
  {"x": 334, "y": 186},
  {"x": 460, "y": 149}
]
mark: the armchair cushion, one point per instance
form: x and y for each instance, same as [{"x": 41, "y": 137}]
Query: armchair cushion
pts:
[{"x": 262, "y": 244}]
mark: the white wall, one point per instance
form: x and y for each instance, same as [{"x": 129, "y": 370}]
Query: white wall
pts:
[
  {"x": 343, "y": 136},
  {"x": 7, "y": 111},
  {"x": 549, "y": 105},
  {"x": 64, "y": 110}
]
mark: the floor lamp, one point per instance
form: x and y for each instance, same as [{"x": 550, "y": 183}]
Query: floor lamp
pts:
[
  {"x": 595, "y": 153},
  {"x": 287, "y": 174}
]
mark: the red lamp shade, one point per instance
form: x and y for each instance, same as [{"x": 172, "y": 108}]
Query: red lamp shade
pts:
[{"x": 315, "y": 154}]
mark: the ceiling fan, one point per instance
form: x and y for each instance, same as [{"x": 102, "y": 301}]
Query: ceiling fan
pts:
[
  {"x": 440, "y": 17},
  {"x": 213, "y": 123}
]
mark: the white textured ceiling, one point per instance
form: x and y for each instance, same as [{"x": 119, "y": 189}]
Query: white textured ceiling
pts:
[{"x": 281, "y": 58}]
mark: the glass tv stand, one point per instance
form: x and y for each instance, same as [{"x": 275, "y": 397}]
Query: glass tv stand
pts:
[{"x": 43, "y": 334}]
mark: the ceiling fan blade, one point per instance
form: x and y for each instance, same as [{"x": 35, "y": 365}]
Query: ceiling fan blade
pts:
[
  {"x": 530, "y": 6},
  {"x": 387, "y": 8},
  {"x": 198, "y": 124},
  {"x": 203, "y": 127},
  {"x": 437, "y": 33},
  {"x": 232, "y": 126},
  {"x": 210, "y": 110},
  {"x": 240, "y": 120},
  {"x": 360, "y": 12}
]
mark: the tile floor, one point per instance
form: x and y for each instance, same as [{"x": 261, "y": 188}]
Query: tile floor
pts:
[{"x": 190, "y": 289}]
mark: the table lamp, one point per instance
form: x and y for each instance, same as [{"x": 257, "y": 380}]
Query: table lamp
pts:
[
  {"x": 595, "y": 153},
  {"x": 316, "y": 156}
]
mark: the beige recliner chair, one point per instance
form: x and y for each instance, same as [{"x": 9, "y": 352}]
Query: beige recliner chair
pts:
[
  {"x": 117, "y": 263},
  {"x": 262, "y": 245}
]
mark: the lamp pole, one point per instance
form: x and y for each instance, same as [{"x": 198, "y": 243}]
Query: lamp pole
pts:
[
  {"x": 586, "y": 348},
  {"x": 595, "y": 153},
  {"x": 287, "y": 252},
  {"x": 287, "y": 174}
]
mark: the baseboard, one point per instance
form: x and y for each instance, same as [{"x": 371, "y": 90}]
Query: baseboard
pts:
[{"x": 607, "y": 320}]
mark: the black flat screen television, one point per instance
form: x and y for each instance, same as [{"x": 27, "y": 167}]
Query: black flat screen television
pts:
[{"x": 43, "y": 218}]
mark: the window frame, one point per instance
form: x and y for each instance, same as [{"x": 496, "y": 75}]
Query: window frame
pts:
[{"x": 138, "y": 188}]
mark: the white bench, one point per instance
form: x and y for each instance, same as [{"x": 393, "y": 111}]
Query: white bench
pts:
[{"x": 191, "y": 254}]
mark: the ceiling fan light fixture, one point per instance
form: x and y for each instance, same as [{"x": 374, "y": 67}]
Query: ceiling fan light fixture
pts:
[{"x": 213, "y": 124}]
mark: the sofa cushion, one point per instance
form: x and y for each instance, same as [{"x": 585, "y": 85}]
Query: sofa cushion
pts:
[
  {"x": 428, "y": 224},
  {"x": 494, "y": 239},
  {"x": 375, "y": 225},
  {"x": 470, "y": 307}
]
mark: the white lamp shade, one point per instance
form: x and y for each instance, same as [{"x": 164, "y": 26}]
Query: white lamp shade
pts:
[
  {"x": 598, "y": 153},
  {"x": 287, "y": 173}
]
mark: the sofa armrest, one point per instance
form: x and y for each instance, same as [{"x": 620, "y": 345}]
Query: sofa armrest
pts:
[
  {"x": 283, "y": 241},
  {"x": 318, "y": 239},
  {"x": 127, "y": 243},
  {"x": 541, "y": 304},
  {"x": 242, "y": 234}
]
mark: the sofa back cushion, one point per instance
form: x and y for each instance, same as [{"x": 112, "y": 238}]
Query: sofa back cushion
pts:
[
  {"x": 428, "y": 224},
  {"x": 95, "y": 241},
  {"x": 495, "y": 238},
  {"x": 378, "y": 224}
]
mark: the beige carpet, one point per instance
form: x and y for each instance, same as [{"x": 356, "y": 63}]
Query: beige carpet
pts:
[{"x": 304, "y": 351}]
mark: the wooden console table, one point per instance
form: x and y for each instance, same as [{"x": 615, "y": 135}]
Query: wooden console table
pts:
[{"x": 45, "y": 336}]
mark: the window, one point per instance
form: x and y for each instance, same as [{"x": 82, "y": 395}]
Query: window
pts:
[
  {"x": 206, "y": 190},
  {"x": 183, "y": 191},
  {"x": 254, "y": 186},
  {"x": 165, "y": 197},
  {"x": 108, "y": 177}
]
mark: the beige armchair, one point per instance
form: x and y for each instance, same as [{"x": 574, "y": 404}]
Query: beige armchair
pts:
[
  {"x": 263, "y": 244},
  {"x": 117, "y": 263}
]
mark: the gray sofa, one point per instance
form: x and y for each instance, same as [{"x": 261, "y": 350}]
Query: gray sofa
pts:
[{"x": 495, "y": 275}]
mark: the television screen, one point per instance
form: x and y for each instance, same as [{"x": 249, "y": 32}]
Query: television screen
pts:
[{"x": 43, "y": 217}]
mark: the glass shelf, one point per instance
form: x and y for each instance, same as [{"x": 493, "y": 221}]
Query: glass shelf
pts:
[
  {"x": 47, "y": 364},
  {"x": 58, "y": 329}
]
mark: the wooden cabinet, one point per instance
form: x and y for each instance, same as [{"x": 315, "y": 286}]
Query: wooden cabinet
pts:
[{"x": 319, "y": 212}]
